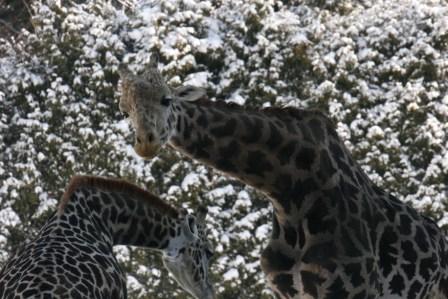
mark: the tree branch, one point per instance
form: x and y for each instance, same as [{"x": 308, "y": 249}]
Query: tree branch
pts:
[
  {"x": 9, "y": 27},
  {"x": 30, "y": 13}
]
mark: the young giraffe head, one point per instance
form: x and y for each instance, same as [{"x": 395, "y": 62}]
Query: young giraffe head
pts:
[
  {"x": 149, "y": 103},
  {"x": 187, "y": 257}
]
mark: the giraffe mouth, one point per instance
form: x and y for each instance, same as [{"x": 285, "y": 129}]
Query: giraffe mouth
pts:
[
  {"x": 209, "y": 293},
  {"x": 146, "y": 150}
]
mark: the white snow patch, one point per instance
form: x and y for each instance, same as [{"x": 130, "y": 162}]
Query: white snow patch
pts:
[
  {"x": 40, "y": 157},
  {"x": 133, "y": 283},
  {"x": 199, "y": 79},
  {"x": 231, "y": 274},
  {"x": 190, "y": 180},
  {"x": 375, "y": 132},
  {"x": 8, "y": 217},
  {"x": 243, "y": 201},
  {"x": 46, "y": 203},
  {"x": 122, "y": 253},
  {"x": 236, "y": 98},
  {"x": 262, "y": 231},
  {"x": 221, "y": 192}
]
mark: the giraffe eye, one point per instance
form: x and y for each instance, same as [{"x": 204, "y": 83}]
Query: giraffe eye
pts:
[
  {"x": 166, "y": 101},
  {"x": 208, "y": 253},
  {"x": 192, "y": 226}
]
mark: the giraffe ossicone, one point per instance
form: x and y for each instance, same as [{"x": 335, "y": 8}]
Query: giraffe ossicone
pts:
[
  {"x": 72, "y": 257},
  {"x": 335, "y": 233}
]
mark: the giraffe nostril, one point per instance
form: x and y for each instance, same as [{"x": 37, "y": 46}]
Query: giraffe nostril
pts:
[
  {"x": 138, "y": 140},
  {"x": 150, "y": 137}
]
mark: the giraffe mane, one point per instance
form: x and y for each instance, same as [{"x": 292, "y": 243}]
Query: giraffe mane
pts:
[
  {"x": 280, "y": 112},
  {"x": 116, "y": 185}
]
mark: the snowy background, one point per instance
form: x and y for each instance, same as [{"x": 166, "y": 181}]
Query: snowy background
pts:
[{"x": 378, "y": 68}]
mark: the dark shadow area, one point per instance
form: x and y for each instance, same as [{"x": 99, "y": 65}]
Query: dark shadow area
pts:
[{"x": 14, "y": 16}]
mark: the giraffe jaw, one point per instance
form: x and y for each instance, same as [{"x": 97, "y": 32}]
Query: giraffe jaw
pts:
[
  {"x": 146, "y": 150},
  {"x": 184, "y": 279},
  {"x": 208, "y": 294}
]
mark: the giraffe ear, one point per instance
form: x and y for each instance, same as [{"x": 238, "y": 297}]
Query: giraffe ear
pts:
[
  {"x": 190, "y": 227},
  {"x": 123, "y": 71},
  {"x": 154, "y": 60},
  {"x": 189, "y": 93},
  {"x": 202, "y": 214}
]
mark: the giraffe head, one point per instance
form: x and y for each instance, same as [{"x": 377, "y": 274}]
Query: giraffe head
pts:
[
  {"x": 188, "y": 255},
  {"x": 148, "y": 101}
]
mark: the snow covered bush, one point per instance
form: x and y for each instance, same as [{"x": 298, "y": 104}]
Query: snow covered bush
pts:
[
  {"x": 379, "y": 69},
  {"x": 388, "y": 67}
]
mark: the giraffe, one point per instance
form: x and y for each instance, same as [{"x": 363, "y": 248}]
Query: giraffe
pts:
[
  {"x": 72, "y": 257},
  {"x": 335, "y": 233}
]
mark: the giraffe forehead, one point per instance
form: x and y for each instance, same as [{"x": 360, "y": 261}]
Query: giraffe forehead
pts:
[{"x": 138, "y": 91}]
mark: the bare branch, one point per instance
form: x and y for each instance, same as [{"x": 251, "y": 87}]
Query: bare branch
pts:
[
  {"x": 9, "y": 27},
  {"x": 30, "y": 12}
]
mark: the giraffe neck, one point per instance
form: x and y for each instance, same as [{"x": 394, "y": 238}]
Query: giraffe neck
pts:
[
  {"x": 287, "y": 153},
  {"x": 123, "y": 215}
]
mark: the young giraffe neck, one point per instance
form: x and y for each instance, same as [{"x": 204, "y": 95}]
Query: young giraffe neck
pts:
[
  {"x": 117, "y": 213},
  {"x": 283, "y": 152}
]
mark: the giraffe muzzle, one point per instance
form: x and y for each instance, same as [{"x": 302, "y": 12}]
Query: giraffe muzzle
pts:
[
  {"x": 204, "y": 292},
  {"x": 146, "y": 150},
  {"x": 209, "y": 294}
]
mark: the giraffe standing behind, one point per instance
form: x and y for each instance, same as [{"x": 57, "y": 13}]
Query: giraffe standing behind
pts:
[
  {"x": 72, "y": 256},
  {"x": 335, "y": 234}
]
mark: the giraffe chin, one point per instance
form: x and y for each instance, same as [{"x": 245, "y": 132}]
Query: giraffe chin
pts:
[
  {"x": 208, "y": 294},
  {"x": 146, "y": 151}
]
